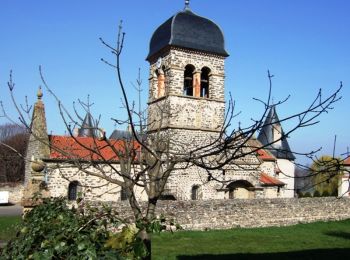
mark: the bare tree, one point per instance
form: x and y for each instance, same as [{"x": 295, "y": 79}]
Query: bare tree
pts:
[
  {"x": 147, "y": 158},
  {"x": 13, "y": 142}
]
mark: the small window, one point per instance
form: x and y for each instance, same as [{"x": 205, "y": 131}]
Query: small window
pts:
[
  {"x": 123, "y": 194},
  {"x": 231, "y": 193},
  {"x": 188, "y": 80},
  {"x": 205, "y": 82},
  {"x": 73, "y": 190},
  {"x": 195, "y": 192},
  {"x": 160, "y": 82}
]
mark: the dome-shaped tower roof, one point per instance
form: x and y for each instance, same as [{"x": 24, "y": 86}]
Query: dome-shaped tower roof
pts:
[{"x": 188, "y": 30}]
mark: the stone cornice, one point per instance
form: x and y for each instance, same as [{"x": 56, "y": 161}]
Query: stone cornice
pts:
[{"x": 188, "y": 97}]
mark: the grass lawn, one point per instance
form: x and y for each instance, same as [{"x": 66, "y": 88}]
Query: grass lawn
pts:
[
  {"x": 321, "y": 240},
  {"x": 6, "y": 227}
]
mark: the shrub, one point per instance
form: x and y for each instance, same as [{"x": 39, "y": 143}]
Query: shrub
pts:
[
  {"x": 325, "y": 194},
  {"x": 334, "y": 193},
  {"x": 307, "y": 195},
  {"x": 53, "y": 231},
  {"x": 317, "y": 193}
]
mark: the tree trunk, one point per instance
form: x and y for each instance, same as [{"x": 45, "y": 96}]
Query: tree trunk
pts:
[{"x": 146, "y": 239}]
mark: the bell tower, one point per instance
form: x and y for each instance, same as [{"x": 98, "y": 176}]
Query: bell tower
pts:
[{"x": 186, "y": 84}]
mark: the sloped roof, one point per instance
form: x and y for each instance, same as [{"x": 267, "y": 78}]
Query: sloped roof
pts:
[
  {"x": 347, "y": 161},
  {"x": 87, "y": 128},
  {"x": 263, "y": 154},
  {"x": 121, "y": 134},
  {"x": 85, "y": 148},
  {"x": 188, "y": 30},
  {"x": 267, "y": 180},
  {"x": 265, "y": 136}
]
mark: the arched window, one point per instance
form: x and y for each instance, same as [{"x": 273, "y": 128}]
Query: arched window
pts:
[
  {"x": 73, "y": 190},
  {"x": 205, "y": 82},
  {"x": 160, "y": 81},
  {"x": 188, "y": 80},
  {"x": 123, "y": 194},
  {"x": 195, "y": 192}
]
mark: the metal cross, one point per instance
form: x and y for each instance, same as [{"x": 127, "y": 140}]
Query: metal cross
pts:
[{"x": 87, "y": 105}]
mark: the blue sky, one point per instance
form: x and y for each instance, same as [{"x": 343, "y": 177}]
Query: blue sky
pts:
[{"x": 305, "y": 44}]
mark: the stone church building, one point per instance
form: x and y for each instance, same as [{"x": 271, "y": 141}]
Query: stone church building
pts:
[{"x": 187, "y": 76}]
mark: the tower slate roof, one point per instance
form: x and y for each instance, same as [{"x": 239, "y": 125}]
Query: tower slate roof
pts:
[
  {"x": 121, "y": 135},
  {"x": 282, "y": 150},
  {"x": 188, "y": 30},
  {"x": 87, "y": 128}
]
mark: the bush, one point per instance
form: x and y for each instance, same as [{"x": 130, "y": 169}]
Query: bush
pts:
[
  {"x": 334, "y": 193},
  {"x": 325, "y": 194},
  {"x": 53, "y": 231},
  {"x": 307, "y": 195},
  {"x": 317, "y": 193}
]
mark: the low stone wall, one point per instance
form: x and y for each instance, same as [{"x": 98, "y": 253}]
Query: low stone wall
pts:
[
  {"x": 15, "y": 191},
  {"x": 225, "y": 214}
]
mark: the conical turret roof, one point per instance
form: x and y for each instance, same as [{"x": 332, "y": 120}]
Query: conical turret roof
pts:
[{"x": 280, "y": 150}]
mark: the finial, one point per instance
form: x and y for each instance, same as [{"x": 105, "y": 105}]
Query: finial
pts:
[
  {"x": 40, "y": 93},
  {"x": 187, "y": 4},
  {"x": 87, "y": 105}
]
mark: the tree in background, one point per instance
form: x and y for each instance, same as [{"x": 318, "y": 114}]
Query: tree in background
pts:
[
  {"x": 13, "y": 143},
  {"x": 325, "y": 172}
]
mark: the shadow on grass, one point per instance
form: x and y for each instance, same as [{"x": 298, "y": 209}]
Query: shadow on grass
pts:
[
  {"x": 336, "y": 253},
  {"x": 341, "y": 234}
]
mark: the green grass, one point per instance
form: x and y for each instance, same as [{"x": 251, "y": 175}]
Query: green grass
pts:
[
  {"x": 321, "y": 240},
  {"x": 7, "y": 227}
]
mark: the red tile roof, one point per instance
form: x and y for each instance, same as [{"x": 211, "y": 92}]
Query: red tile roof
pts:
[
  {"x": 85, "y": 148},
  {"x": 270, "y": 181},
  {"x": 265, "y": 155},
  {"x": 261, "y": 153},
  {"x": 347, "y": 161}
]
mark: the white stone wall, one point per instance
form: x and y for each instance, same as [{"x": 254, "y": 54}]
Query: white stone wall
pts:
[
  {"x": 271, "y": 192},
  {"x": 179, "y": 111},
  {"x": 287, "y": 176},
  {"x": 92, "y": 187},
  {"x": 15, "y": 192},
  {"x": 344, "y": 184},
  {"x": 268, "y": 167}
]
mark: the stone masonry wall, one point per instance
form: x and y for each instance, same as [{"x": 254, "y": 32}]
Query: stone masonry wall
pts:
[
  {"x": 15, "y": 192},
  {"x": 226, "y": 214}
]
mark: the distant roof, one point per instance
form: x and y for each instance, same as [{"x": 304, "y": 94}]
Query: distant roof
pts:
[
  {"x": 267, "y": 180},
  {"x": 188, "y": 30},
  {"x": 121, "y": 134},
  {"x": 85, "y": 148},
  {"x": 282, "y": 151},
  {"x": 263, "y": 154},
  {"x": 347, "y": 161},
  {"x": 87, "y": 128}
]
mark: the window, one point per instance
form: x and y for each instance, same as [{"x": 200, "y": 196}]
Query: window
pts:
[
  {"x": 73, "y": 190},
  {"x": 160, "y": 82},
  {"x": 123, "y": 194},
  {"x": 188, "y": 80},
  {"x": 195, "y": 192},
  {"x": 205, "y": 82}
]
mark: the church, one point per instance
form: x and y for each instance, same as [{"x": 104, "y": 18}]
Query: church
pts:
[{"x": 187, "y": 56}]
